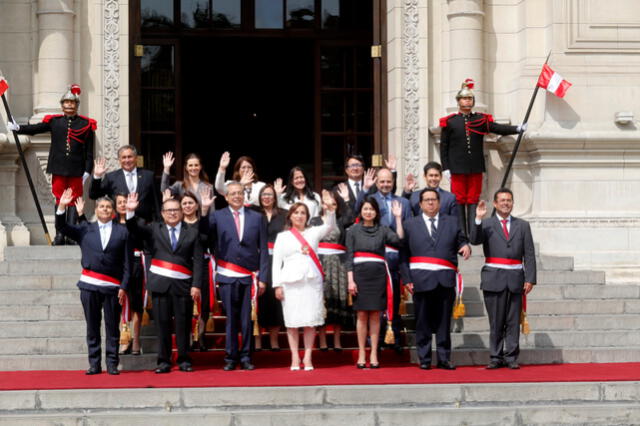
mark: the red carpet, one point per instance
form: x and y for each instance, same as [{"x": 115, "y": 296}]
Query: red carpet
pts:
[{"x": 328, "y": 375}]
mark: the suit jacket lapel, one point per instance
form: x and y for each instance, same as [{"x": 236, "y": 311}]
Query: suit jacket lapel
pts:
[
  {"x": 497, "y": 226},
  {"x": 231, "y": 222},
  {"x": 122, "y": 181},
  {"x": 425, "y": 230},
  {"x": 164, "y": 234},
  {"x": 183, "y": 235},
  {"x": 515, "y": 226},
  {"x": 95, "y": 229}
]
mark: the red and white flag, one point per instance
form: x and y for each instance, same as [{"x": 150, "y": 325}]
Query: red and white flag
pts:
[
  {"x": 3, "y": 86},
  {"x": 553, "y": 82}
]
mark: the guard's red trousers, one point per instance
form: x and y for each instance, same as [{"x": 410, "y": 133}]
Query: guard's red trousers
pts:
[
  {"x": 60, "y": 183},
  {"x": 466, "y": 187}
]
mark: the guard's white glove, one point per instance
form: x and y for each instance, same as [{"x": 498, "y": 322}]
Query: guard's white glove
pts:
[
  {"x": 13, "y": 126},
  {"x": 85, "y": 176},
  {"x": 447, "y": 174},
  {"x": 522, "y": 127}
]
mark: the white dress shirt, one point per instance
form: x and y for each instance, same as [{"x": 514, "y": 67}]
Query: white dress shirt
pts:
[
  {"x": 178, "y": 227},
  {"x": 427, "y": 221},
  {"x": 241, "y": 211},
  {"x": 352, "y": 184},
  {"x": 105, "y": 232}
]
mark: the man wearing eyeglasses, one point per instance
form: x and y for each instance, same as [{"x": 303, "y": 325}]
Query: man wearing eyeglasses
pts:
[
  {"x": 175, "y": 277},
  {"x": 429, "y": 269}
]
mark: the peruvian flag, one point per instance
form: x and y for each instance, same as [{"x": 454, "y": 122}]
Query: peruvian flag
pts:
[
  {"x": 553, "y": 82},
  {"x": 3, "y": 86}
]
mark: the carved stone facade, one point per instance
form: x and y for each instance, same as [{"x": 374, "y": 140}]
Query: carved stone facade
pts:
[{"x": 578, "y": 170}]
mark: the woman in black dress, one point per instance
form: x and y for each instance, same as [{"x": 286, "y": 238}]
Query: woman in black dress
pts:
[
  {"x": 367, "y": 272},
  {"x": 270, "y": 308}
]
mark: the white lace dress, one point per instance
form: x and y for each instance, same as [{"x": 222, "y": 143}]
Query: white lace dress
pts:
[{"x": 295, "y": 271}]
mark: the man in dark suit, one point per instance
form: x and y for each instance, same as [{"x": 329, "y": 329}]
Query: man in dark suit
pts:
[
  {"x": 384, "y": 181},
  {"x": 175, "y": 276},
  {"x": 429, "y": 267},
  {"x": 508, "y": 275},
  {"x": 127, "y": 180},
  {"x": 432, "y": 177},
  {"x": 239, "y": 244},
  {"x": 103, "y": 283}
]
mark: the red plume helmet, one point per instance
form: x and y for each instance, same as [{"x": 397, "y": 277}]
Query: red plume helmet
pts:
[
  {"x": 469, "y": 82},
  {"x": 75, "y": 89},
  {"x": 73, "y": 94}
]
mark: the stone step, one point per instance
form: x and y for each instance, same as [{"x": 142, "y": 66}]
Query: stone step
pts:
[
  {"x": 41, "y": 267},
  {"x": 444, "y": 404},
  {"x": 565, "y": 322},
  {"x": 58, "y": 345},
  {"x": 472, "y": 277},
  {"x": 13, "y": 253},
  {"x": 13, "y": 313},
  {"x": 41, "y": 297},
  {"x": 550, "y": 339},
  {"x": 51, "y": 329},
  {"x": 543, "y": 263},
  {"x": 39, "y": 282}
]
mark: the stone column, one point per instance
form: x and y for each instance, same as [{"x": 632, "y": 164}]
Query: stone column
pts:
[
  {"x": 466, "y": 48},
  {"x": 55, "y": 54}
]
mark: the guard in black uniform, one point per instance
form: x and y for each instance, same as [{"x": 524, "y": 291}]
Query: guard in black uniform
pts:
[
  {"x": 71, "y": 153},
  {"x": 462, "y": 151}
]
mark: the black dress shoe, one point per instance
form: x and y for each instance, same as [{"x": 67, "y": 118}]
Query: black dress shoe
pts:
[
  {"x": 361, "y": 366},
  {"x": 187, "y": 368},
  {"x": 494, "y": 365},
  {"x": 338, "y": 349},
  {"x": 324, "y": 349},
  {"x": 229, "y": 366},
  {"x": 113, "y": 370},
  {"x": 246, "y": 365},
  {"x": 513, "y": 365},
  {"x": 162, "y": 369},
  {"x": 276, "y": 349},
  {"x": 93, "y": 370},
  {"x": 425, "y": 366},
  {"x": 446, "y": 365},
  {"x": 374, "y": 366}
]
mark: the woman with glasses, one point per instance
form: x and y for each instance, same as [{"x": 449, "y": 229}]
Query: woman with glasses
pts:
[{"x": 244, "y": 171}]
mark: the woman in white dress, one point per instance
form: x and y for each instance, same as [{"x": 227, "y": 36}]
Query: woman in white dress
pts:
[
  {"x": 244, "y": 171},
  {"x": 297, "y": 190},
  {"x": 297, "y": 276}
]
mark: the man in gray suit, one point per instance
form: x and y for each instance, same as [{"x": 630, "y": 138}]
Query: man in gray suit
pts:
[{"x": 509, "y": 274}]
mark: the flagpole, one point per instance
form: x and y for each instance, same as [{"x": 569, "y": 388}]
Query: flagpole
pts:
[
  {"x": 517, "y": 145},
  {"x": 26, "y": 172}
]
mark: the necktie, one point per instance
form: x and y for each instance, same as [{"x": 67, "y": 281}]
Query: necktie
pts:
[
  {"x": 174, "y": 240},
  {"x": 236, "y": 219},
  {"x": 389, "y": 215},
  {"x": 433, "y": 227},
  {"x": 504, "y": 227},
  {"x": 130, "y": 181},
  {"x": 103, "y": 236},
  {"x": 357, "y": 185}
]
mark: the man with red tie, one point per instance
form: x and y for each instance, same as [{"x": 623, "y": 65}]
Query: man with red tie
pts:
[
  {"x": 508, "y": 275},
  {"x": 239, "y": 244},
  {"x": 175, "y": 277}
]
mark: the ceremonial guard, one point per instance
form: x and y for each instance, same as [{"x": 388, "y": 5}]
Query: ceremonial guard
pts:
[
  {"x": 106, "y": 254},
  {"x": 508, "y": 275},
  {"x": 462, "y": 150},
  {"x": 71, "y": 153}
]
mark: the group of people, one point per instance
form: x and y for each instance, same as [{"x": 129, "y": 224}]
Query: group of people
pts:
[{"x": 283, "y": 255}]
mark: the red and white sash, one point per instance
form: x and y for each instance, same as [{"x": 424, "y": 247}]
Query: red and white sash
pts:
[
  {"x": 96, "y": 278},
  {"x": 211, "y": 266},
  {"x": 169, "y": 270},
  {"x": 363, "y": 257},
  {"x": 310, "y": 251},
  {"x": 503, "y": 263},
  {"x": 270, "y": 247},
  {"x": 390, "y": 249},
  {"x": 232, "y": 270},
  {"x": 331, "y": 248},
  {"x": 425, "y": 263},
  {"x": 143, "y": 263}
]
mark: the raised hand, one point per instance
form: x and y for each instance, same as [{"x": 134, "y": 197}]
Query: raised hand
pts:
[
  {"x": 167, "y": 161},
  {"x": 481, "y": 210},
  {"x": 66, "y": 198},
  {"x": 343, "y": 191},
  {"x": 100, "y": 167},
  {"x": 391, "y": 162},
  {"x": 409, "y": 182},
  {"x": 225, "y": 159},
  {"x": 79, "y": 206},
  {"x": 246, "y": 178},
  {"x": 166, "y": 195},
  {"x": 279, "y": 188},
  {"x": 328, "y": 201},
  {"x": 132, "y": 202},
  {"x": 207, "y": 198},
  {"x": 396, "y": 208},
  {"x": 370, "y": 179}
]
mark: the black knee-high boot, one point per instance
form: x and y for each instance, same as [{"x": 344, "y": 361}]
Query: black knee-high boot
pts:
[
  {"x": 462, "y": 218},
  {"x": 72, "y": 219},
  {"x": 59, "y": 239}
]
